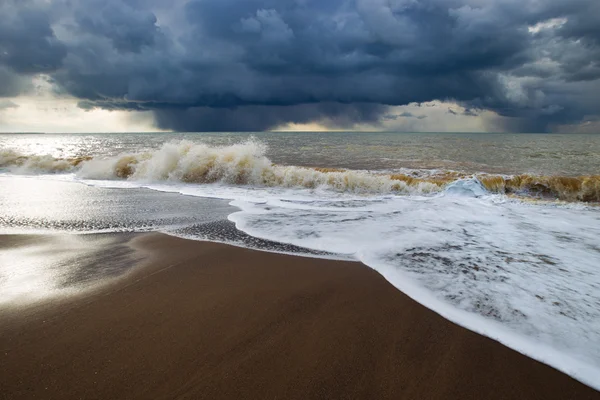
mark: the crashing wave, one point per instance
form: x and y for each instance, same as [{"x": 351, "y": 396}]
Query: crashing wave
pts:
[
  {"x": 20, "y": 163},
  {"x": 239, "y": 164},
  {"x": 582, "y": 188},
  {"x": 246, "y": 164}
]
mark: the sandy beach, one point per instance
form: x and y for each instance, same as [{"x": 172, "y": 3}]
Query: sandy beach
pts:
[{"x": 197, "y": 320}]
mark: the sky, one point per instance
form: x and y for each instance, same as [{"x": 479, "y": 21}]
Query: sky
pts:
[{"x": 253, "y": 65}]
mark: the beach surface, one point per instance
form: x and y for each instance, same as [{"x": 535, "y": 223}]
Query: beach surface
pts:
[{"x": 198, "y": 320}]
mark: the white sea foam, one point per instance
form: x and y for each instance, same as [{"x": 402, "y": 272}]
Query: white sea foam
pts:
[{"x": 526, "y": 276}]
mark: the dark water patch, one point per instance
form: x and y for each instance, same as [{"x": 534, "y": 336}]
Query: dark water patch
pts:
[{"x": 225, "y": 231}]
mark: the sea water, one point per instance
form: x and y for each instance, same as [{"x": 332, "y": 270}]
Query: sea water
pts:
[{"x": 498, "y": 233}]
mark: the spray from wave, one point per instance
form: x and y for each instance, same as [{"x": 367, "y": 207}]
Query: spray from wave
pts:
[
  {"x": 23, "y": 164},
  {"x": 247, "y": 164}
]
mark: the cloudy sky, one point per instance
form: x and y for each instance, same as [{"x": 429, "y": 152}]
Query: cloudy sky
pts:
[{"x": 215, "y": 65}]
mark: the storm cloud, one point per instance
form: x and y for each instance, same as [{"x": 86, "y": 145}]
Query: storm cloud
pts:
[{"x": 258, "y": 64}]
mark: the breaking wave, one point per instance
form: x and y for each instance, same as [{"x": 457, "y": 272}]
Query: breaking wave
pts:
[
  {"x": 582, "y": 188},
  {"x": 247, "y": 164},
  {"x": 21, "y": 163}
]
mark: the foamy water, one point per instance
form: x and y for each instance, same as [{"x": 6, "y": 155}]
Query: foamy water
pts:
[
  {"x": 524, "y": 272},
  {"x": 524, "y": 275},
  {"x": 247, "y": 164}
]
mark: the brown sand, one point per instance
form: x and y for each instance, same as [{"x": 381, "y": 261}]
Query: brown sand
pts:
[{"x": 210, "y": 321}]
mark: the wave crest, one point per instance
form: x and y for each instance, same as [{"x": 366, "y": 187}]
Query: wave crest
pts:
[
  {"x": 21, "y": 163},
  {"x": 247, "y": 164},
  {"x": 582, "y": 188},
  {"x": 242, "y": 164}
]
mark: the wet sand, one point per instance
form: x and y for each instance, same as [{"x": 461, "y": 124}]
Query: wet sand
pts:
[{"x": 211, "y": 321}]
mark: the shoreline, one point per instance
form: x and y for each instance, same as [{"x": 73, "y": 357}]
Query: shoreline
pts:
[{"x": 208, "y": 320}]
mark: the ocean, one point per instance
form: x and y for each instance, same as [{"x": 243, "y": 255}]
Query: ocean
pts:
[{"x": 499, "y": 233}]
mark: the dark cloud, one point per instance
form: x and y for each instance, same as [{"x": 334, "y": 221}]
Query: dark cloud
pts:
[
  {"x": 12, "y": 84},
  {"x": 27, "y": 42},
  {"x": 405, "y": 114},
  {"x": 256, "y": 64},
  {"x": 470, "y": 112},
  {"x": 259, "y": 118},
  {"x": 128, "y": 28}
]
